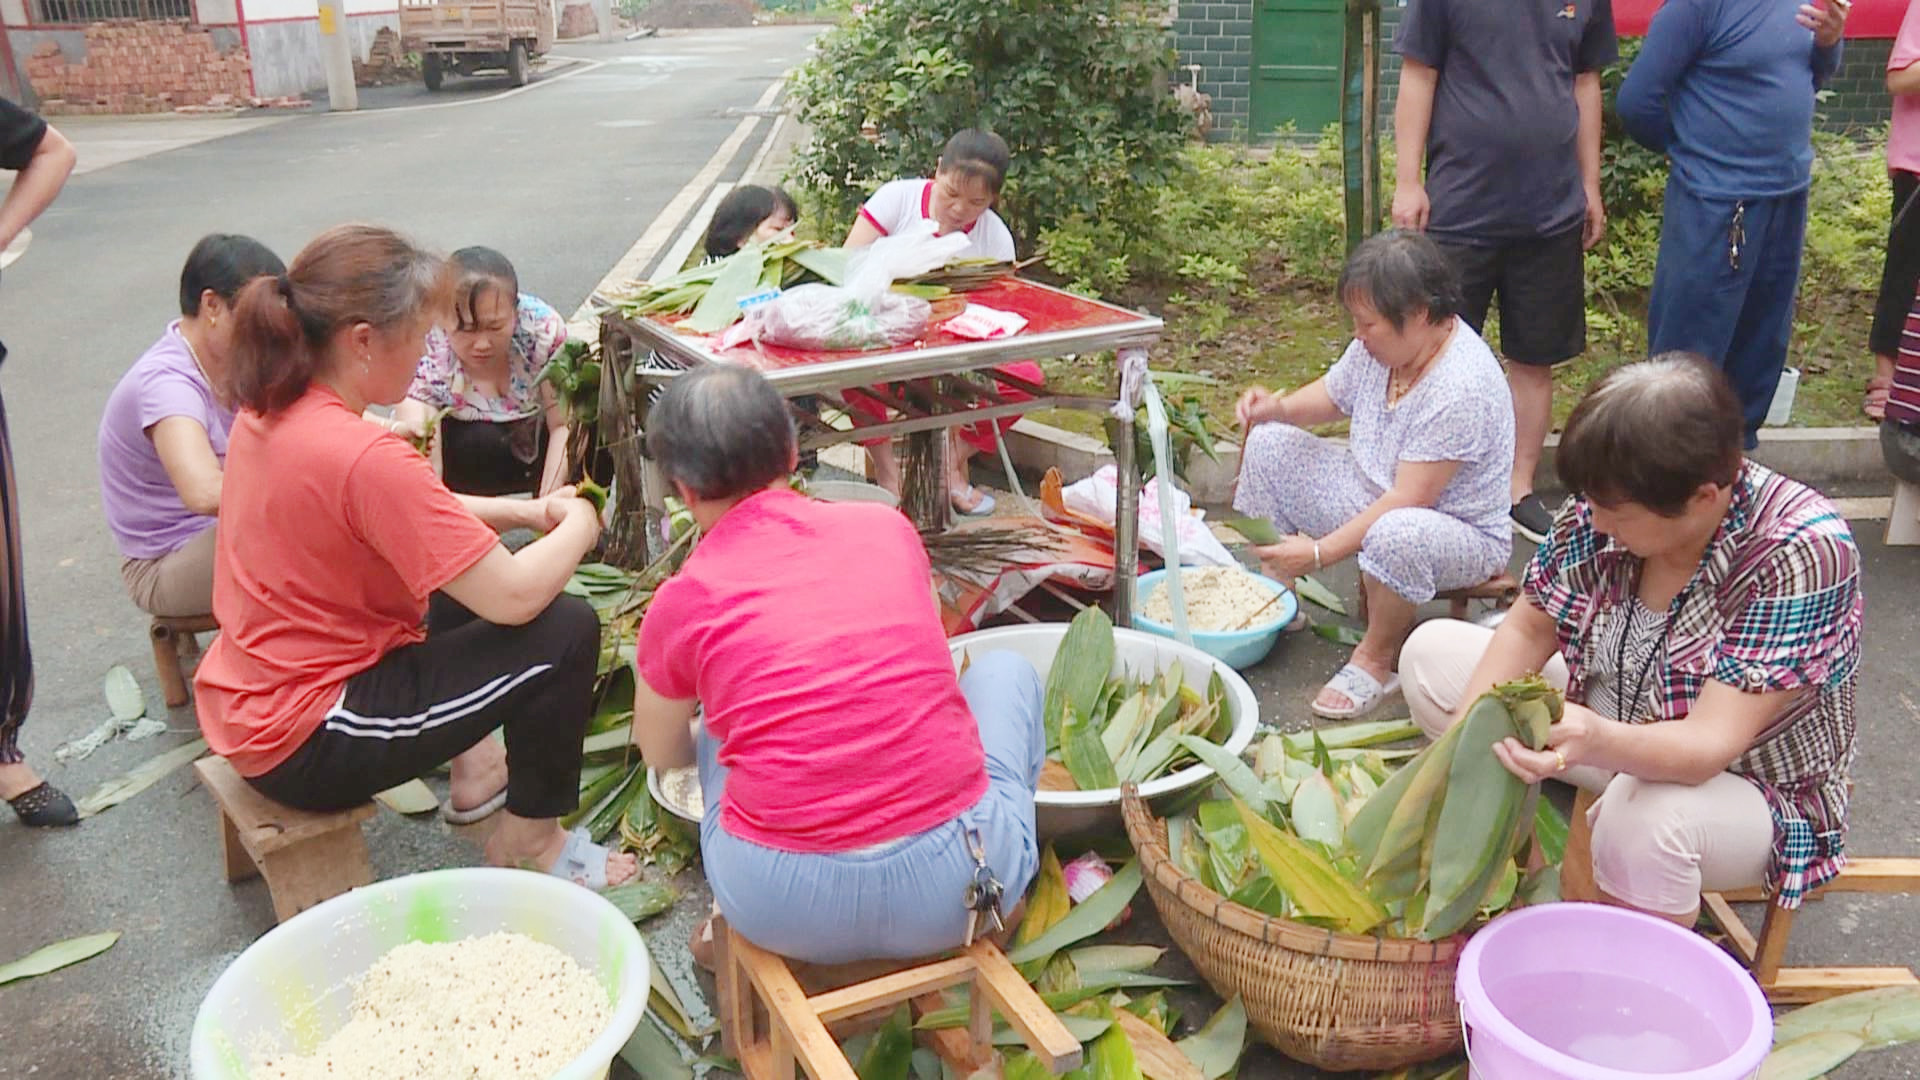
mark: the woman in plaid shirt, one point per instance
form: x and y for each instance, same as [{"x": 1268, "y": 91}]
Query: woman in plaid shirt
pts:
[{"x": 1681, "y": 583}]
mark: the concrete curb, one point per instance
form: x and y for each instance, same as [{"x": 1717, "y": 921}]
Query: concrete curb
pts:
[{"x": 1823, "y": 457}]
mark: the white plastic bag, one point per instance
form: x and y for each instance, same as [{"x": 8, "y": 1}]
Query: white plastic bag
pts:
[
  {"x": 1099, "y": 494},
  {"x": 865, "y": 313}
]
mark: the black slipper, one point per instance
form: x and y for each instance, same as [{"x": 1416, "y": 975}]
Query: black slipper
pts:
[{"x": 45, "y": 807}]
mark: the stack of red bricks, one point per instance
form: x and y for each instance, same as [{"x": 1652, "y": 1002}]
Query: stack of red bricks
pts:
[{"x": 141, "y": 67}]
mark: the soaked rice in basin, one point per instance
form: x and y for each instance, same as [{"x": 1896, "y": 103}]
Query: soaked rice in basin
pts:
[
  {"x": 1218, "y": 598},
  {"x": 497, "y": 1007}
]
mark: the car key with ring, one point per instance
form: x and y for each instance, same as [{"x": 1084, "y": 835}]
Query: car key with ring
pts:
[{"x": 984, "y": 892}]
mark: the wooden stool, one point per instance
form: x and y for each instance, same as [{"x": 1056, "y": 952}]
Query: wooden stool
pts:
[
  {"x": 1903, "y": 521},
  {"x": 1501, "y": 590},
  {"x": 1763, "y": 955},
  {"x": 306, "y": 858},
  {"x": 171, "y": 639},
  {"x": 770, "y": 1024}
]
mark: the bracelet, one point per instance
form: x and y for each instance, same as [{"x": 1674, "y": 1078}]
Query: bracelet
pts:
[{"x": 1317, "y": 565}]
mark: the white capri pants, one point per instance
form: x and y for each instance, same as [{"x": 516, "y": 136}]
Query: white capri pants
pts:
[
  {"x": 1306, "y": 484},
  {"x": 1656, "y": 846}
]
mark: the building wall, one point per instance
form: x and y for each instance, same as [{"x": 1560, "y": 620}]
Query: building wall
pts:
[
  {"x": 286, "y": 53},
  {"x": 133, "y": 67},
  {"x": 1219, "y": 37}
]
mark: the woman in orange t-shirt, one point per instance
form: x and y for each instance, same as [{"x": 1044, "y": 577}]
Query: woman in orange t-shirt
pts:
[{"x": 372, "y": 625}]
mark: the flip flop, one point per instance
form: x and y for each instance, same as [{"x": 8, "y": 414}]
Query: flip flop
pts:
[
  {"x": 983, "y": 508},
  {"x": 1364, "y": 691},
  {"x": 582, "y": 862},
  {"x": 485, "y": 810}
]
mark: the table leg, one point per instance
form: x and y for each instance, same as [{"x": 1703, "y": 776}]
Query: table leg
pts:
[{"x": 1126, "y": 525}]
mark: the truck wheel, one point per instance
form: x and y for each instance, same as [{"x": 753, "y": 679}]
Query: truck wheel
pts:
[
  {"x": 519, "y": 70},
  {"x": 430, "y": 71}
]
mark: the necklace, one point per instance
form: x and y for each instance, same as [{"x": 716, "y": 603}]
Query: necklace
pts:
[
  {"x": 1626, "y": 706},
  {"x": 1399, "y": 385},
  {"x": 195, "y": 353}
]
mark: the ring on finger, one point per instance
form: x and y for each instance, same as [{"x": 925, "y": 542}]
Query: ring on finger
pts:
[{"x": 1559, "y": 761}]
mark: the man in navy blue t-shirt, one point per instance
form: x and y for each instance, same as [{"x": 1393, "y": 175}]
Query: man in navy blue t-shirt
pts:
[
  {"x": 1501, "y": 99},
  {"x": 1725, "y": 88}
]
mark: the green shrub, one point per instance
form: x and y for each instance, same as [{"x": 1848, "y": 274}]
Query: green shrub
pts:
[{"x": 1079, "y": 91}]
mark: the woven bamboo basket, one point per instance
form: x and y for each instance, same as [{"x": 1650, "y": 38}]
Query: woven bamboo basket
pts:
[{"x": 1331, "y": 1000}]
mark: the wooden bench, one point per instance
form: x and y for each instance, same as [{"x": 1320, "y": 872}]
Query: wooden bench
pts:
[
  {"x": 1763, "y": 955},
  {"x": 174, "y": 644},
  {"x": 1501, "y": 591},
  {"x": 773, "y": 1025},
  {"x": 305, "y": 858}
]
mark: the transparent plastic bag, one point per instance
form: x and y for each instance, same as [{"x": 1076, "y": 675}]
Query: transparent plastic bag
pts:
[{"x": 864, "y": 313}]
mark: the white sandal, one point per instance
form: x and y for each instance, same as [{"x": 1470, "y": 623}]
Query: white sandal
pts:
[
  {"x": 1365, "y": 692},
  {"x": 582, "y": 862}
]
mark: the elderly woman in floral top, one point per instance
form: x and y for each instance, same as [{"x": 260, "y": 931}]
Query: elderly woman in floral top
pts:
[
  {"x": 501, "y": 431},
  {"x": 1703, "y": 615}
]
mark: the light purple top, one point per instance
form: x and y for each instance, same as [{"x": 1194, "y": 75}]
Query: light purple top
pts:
[
  {"x": 143, "y": 508},
  {"x": 1460, "y": 410}
]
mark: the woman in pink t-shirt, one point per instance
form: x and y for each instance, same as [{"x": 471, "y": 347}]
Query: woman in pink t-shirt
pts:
[{"x": 849, "y": 776}]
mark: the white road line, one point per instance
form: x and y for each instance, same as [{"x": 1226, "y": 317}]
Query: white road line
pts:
[
  {"x": 751, "y": 176},
  {"x": 659, "y": 232},
  {"x": 676, "y": 256},
  {"x": 575, "y": 66}
]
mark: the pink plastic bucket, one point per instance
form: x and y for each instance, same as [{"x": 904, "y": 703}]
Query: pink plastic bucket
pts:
[{"x": 1590, "y": 992}]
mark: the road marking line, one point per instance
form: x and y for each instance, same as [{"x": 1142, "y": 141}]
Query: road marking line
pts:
[
  {"x": 676, "y": 256},
  {"x": 575, "y": 66},
  {"x": 760, "y": 158},
  {"x": 661, "y": 229}
]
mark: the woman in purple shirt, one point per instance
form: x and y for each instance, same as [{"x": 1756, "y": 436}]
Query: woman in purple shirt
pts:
[{"x": 163, "y": 438}]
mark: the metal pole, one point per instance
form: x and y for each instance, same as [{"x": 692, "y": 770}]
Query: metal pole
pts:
[
  {"x": 603, "y": 14},
  {"x": 336, "y": 53}
]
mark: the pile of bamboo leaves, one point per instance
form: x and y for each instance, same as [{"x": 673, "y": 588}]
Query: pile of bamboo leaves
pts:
[
  {"x": 710, "y": 295},
  {"x": 1323, "y": 830},
  {"x": 1811, "y": 1042}
]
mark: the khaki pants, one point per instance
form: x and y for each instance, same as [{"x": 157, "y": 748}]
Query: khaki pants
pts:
[
  {"x": 176, "y": 585},
  {"x": 1656, "y": 846}
]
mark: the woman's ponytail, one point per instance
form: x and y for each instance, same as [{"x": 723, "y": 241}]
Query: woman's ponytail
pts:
[{"x": 271, "y": 363}]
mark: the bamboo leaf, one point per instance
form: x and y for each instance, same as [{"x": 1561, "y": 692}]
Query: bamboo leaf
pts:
[
  {"x": 1105, "y": 982},
  {"x": 1080, "y": 668},
  {"x": 1339, "y": 633},
  {"x": 1111, "y": 1055},
  {"x": 1352, "y": 735},
  {"x": 140, "y": 778},
  {"x": 1810, "y": 1056},
  {"x": 1086, "y": 919},
  {"x": 1048, "y": 901},
  {"x": 1257, "y": 530},
  {"x": 1881, "y": 1017},
  {"x": 618, "y": 738},
  {"x": 1084, "y": 756},
  {"x": 652, "y": 1053},
  {"x": 1540, "y": 886},
  {"x": 667, "y": 1002},
  {"x": 720, "y": 308},
  {"x": 1232, "y": 771},
  {"x": 1216, "y": 1048},
  {"x": 412, "y": 797},
  {"x": 57, "y": 955},
  {"x": 124, "y": 699},
  {"x": 1315, "y": 811},
  {"x": 1096, "y": 959},
  {"x": 641, "y": 900},
  {"x": 1084, "y": 1028},
  {"x": 1316, "y": 887},
  {"x": 1550, "y": 832},
  {"x": 890, "y": 1055},
  {"x": 1315, "y": 593}
]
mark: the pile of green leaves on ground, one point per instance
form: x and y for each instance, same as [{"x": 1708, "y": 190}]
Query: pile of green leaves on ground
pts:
[
  {"x": 1809, "y": 1042},
  {"x": 887, "y": 88}
]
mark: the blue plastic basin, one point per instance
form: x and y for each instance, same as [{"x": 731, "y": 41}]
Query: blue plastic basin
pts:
[{"x": 1240, "y": 649}]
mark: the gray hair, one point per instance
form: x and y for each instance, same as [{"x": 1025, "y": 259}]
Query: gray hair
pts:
[
  {"x": 723, "y": 431},
  {"x": 1398, "y": 273},
  {"x": 1652, "y": 433}
]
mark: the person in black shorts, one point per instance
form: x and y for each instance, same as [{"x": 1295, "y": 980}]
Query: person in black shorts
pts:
[{"x": 1501, "y": 101}]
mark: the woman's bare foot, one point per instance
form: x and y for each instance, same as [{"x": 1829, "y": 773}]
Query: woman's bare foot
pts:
[
  {"x": 479, "y": 774},
  {"x": 17, "y": 779},
  {"x": 885, "y": 466},
  {"x": 701, "y": 945},
  {"x": 531, "y": 844}
]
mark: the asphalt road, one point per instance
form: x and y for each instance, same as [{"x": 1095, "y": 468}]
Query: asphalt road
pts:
[{"x": 563, "y": 178}]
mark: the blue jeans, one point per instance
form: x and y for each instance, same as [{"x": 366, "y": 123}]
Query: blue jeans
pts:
[
  {"x": 902, "y": 899},
  {"x": 1739, "y": 317}
]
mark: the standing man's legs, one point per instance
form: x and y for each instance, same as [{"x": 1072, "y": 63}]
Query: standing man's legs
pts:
[
  {"x": 1776, "y": 234},
  {"x": 1698, "y": 291},
  {"x": 1543, "y": 322}
]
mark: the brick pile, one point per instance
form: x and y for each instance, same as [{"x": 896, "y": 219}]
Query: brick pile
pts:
[
  {"x": 577, "y": 20},
  {"x": 141, "y": 67},
  {"x": 386, "y": 63}
]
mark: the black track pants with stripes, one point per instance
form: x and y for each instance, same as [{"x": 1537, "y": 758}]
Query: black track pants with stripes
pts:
[{"x": 423, "y": 704}]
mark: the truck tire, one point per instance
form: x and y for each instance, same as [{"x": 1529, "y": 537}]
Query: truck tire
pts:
[
  {"x": 519, "y": 69},
  {"x": 431, "y": 72}
]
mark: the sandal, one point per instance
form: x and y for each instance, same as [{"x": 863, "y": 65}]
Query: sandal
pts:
[
  {"x": 453, "y": 816},
  {"x": 582, "y": 862},
  {"x": 1362, "y": 690},
  {"x": 44, "y": 807},
  {"x": 982, "y": 507}
]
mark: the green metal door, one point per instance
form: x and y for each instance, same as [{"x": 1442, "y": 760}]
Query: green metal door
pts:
[{"x": 1296, "y": 65}]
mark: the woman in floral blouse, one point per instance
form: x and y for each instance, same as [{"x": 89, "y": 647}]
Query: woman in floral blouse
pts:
[
  {"x": 1703, "y": 615},
  {"x": 501, "y": 430}
]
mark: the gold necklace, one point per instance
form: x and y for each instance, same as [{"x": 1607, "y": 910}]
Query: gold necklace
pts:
[{"x": 1399, "y": 387}]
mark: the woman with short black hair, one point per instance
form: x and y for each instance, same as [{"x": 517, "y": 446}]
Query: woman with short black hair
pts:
[
  {"x": 1419, "y": 494},
  {"x": 163, "y": 436},
  {"x": 748, "y": 214},
  {"x": 852, "y": 783},
  {"x": 1681, "y": 582}
]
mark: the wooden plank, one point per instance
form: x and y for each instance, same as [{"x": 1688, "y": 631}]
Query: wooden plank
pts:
[
  {"x": 952, "y": 1045},
  {"x": 1049, "y": 1040},
  {"x": 263, "y": 825},
  {"x": 1803, "y": 985},
  {"x": 319, "y": 869},
  {"x": 1748, "y": 896},
  {"x": 1877, "y": 875},
  {"x": 789, "y": 1014},
  {"x": 1730, "y": 924},
  {"x": 1158, "y": 1058},
  {"x": 1773, "y": 943},
  {"x": 890, "y": 990}
]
